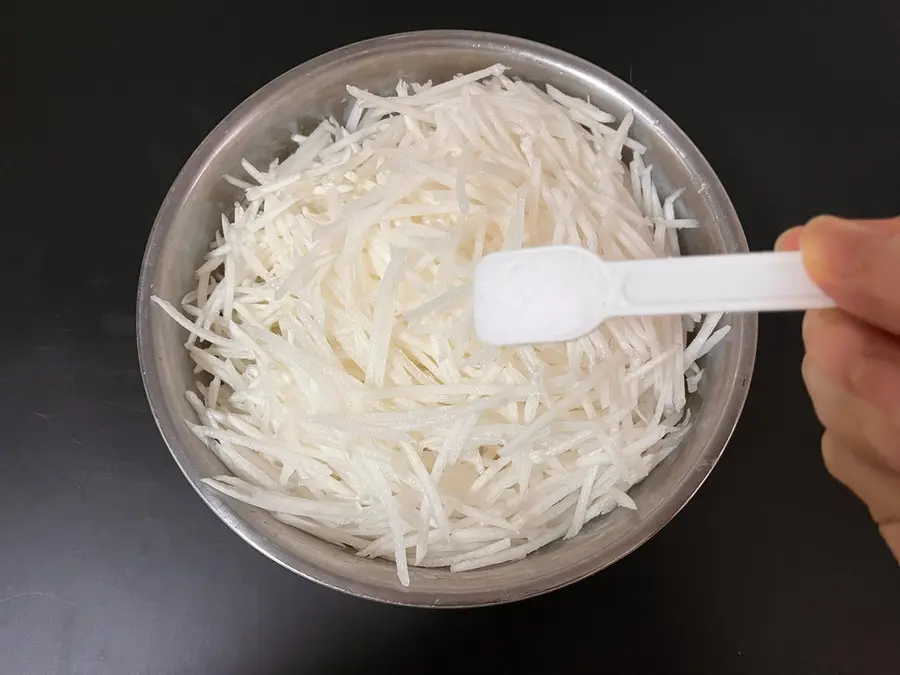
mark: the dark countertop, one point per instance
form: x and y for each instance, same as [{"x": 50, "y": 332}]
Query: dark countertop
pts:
[{"x": 110, "y": 564}]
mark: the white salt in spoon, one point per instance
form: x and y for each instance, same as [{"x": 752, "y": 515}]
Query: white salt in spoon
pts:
[{"x": 559, "y": 293}]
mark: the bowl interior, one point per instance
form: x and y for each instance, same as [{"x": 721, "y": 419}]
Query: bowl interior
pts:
[{"x": 260, "y": 130}]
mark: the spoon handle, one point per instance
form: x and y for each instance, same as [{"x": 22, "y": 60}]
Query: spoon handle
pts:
[{"x": 744, "y": 282}]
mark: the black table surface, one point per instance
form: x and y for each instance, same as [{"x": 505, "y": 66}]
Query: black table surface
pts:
[{"x": 110, "y": 564}]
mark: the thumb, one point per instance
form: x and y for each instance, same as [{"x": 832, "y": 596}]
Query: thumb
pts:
[{"x": 858, "y": 264}]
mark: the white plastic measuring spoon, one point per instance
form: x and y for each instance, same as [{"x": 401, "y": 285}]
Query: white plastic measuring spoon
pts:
[{"x": 558, "y": 293}]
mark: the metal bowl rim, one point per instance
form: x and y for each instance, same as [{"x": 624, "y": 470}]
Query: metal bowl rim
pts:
[{"x": 180, "y": 191}]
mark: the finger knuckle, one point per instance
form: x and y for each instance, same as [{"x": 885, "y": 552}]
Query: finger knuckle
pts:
[
  {"x": 832, "y": 455},
  {"x": 821, "y": 393},
  {"x": 877, "y": 381},
  {"x": 835, "y": 342}
]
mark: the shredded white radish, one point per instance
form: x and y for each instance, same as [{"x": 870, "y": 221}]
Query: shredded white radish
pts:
[{"x": 341, "y": 381}]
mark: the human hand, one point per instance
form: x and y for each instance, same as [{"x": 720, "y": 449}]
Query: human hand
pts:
[{"x": 852, "y": 362}]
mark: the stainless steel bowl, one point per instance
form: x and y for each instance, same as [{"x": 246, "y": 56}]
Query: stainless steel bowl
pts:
[{"x": 260, "y": 129}]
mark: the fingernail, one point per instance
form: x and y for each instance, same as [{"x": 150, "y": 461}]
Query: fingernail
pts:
[
  {"x": 834, "y": 248},
  {"x": 789, "y": 240}
]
